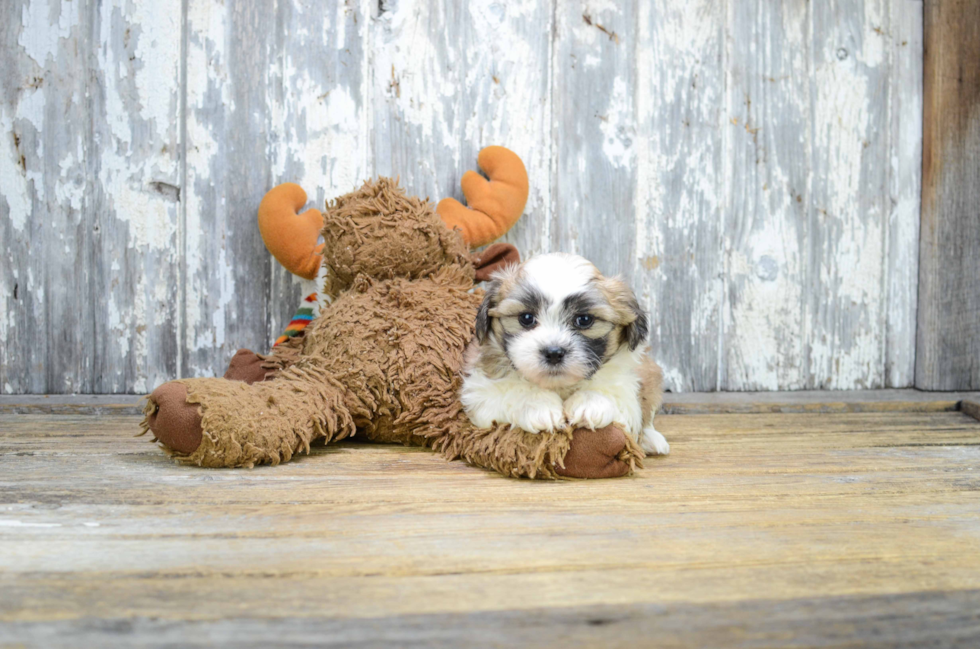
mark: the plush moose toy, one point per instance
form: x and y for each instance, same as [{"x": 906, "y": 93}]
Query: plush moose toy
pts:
[{"x": 382, "y": 360}]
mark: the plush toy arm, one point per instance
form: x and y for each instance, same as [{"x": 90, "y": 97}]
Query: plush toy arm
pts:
[
  {"x": 289, "y": 236},
  {"x": 494, "y": 205}
]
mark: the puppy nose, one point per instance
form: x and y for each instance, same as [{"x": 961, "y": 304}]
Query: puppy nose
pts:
[{"x": 553, "y": 355}]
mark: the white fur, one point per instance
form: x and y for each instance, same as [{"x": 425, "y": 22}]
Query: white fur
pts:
[
  {"x": 512, "y": 400},
  {"x": 559, "y": 274},
  {"x": 611, "y": 396},
  {"x": 653, "y": 442}
]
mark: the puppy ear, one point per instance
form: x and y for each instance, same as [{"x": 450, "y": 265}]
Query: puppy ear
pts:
[
  {"x": 636, "y": 332},
  {"x": 483, "y": 313},
  {"x": 634, "y": 320}
]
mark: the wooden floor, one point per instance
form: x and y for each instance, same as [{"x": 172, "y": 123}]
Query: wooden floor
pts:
[{"x": 759, "y": 530}]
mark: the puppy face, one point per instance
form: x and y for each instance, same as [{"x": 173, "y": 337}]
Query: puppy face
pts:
[{"x": 555, "y": 319}]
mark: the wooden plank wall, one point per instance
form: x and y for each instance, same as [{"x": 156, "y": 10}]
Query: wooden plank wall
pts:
[
  {"x": 949, "y": 275},
  {"x": 753, "y": 168}
]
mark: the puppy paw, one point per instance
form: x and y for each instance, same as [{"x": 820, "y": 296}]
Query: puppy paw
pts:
[
  {"x": 653, "y": 442},
  {"x": 590, "y": 410},
  {"x": 541, "y": 415}
]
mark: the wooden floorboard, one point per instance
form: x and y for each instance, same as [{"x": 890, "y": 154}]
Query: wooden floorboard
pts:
[
  {"x": 759, "y": 530},
  {"x": 681, "y": 403},
  {"x": 903, "y": 400}
]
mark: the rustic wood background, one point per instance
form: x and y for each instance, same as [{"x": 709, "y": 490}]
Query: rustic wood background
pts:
[
  {"x": 948, "y": 343},
  {"x": 753, "y": 167}
]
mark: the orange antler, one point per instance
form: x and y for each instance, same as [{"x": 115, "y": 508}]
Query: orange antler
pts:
[
  {"x": 289, "y": 236},
  {"x": 494, "y": 205}
]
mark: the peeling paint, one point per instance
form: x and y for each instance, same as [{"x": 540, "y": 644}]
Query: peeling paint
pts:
[
  {"x": 417, "y": 72},
  {"x": 754, "y": 172},
  {"x": 618, "y": 126},
  {"x": 507, "y": 73},
  {"x": 148, "y": 216},
  {"x": 905, "y": 169},
  {"x": 13, "y": 180},
  {"x": 45, "y": 26}
]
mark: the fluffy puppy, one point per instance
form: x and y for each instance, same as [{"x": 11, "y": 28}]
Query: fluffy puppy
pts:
[{"x": 557, "y": 344}]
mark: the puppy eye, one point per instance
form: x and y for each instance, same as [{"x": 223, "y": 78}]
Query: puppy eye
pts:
[
  {"x": 584, "y": 321},
  {"x": 526, "y": 319}
]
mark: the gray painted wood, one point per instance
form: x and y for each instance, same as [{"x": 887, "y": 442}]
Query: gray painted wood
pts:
[
  {"x": 593, "y": 90},
  {"x": 754, "y": 172},
  {"x": 231, "y": 74},
  {"x": 949, "y": 273},
  {"x": 855, "y": 529},
  {"x": 429, "y": 133},
  {"x": 768, "y": 130},
  {"x": 683, "y": 403},
  {"x": 905, "y": 157},
  {"x": 680, "y": 199},
  {"x": 417, "y": 71},
  {"x": 320, "y": 117},
  {"x": 923, "y": 619},
  {"x": 505, "y": 50},
  {"x": 823, "y": 226},
  {"x": 847, "y": 203},
  {"x": 89, "y": 180}
]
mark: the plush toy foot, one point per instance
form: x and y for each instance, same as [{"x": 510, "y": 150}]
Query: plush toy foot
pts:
[
  {"x": 176, "y": 423},
  {"x": 247, "y": 366},
  {"x": 603, "y": 453},
  {"x": 172, "y": 420}
]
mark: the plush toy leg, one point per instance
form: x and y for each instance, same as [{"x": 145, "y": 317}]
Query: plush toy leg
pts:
[
  {"x": 583, "y": 453},
  {"x": 176, "y": 423},
  {"x": 222, "y": 423},
  {"x": 247, "y": 366},
  {"x": 604, "y": 453},
  {"x": 173, "y": 422},
  {"x": 250, "y": 367}
]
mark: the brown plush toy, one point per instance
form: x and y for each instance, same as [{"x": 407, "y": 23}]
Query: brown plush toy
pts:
[{"x": 382, "y": 361}]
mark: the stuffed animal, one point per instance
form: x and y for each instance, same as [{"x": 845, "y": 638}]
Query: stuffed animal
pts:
[{"x": 381, "y": 361}]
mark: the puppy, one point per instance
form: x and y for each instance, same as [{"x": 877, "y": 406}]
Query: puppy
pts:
[{"x": 556, "y": 345}]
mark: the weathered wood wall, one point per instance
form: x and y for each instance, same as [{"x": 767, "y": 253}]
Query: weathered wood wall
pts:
[
  {"x": 752, "y": 167},
  {"x": 949, "y": 275}
]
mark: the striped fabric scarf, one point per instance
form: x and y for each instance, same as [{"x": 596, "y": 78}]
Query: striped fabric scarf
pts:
[{"x": 308, "y": 310}]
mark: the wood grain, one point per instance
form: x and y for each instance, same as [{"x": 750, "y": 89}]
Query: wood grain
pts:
[
  {"x": 230, "y": 89},
  {"x": 753, "y": 170},
  {"x": 904, "y": 44},
  {"x": 916, "y": 619},
  {"x": 845, "y": 243},
  {"x": 814, "y": 527},
  {"x": 971, "y": 407},
  {"x": 697, "y": 403},
  {"x": 505, "y": 50},
  {"x": 89, "y": 196},
  {"x": 428, "y": 131},
  {"x": 320, "y": 95},
  {"x": 593, "y": 87},
  {"x": 948, "y": 347},
  {"x": 816, "y": 401},
  {"x": 768, "y": 127},
  {"x": 681, "y": 162}
]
